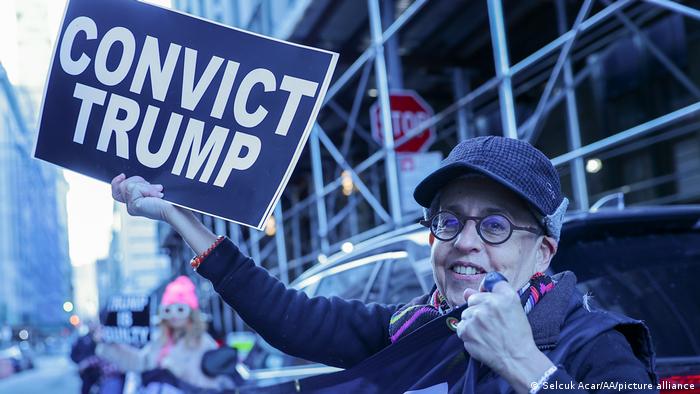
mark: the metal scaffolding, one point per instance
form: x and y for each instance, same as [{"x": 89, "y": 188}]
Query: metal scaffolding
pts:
[{"x": 312, "y": 227}]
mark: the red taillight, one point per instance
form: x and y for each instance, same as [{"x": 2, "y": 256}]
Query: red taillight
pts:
[{"x": 686, "y": 384}]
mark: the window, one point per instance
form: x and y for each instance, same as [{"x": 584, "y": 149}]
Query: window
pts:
[
  {"x": 652, "y": 277},
  {"x": 397, "y": 283},
  {"x": 347, "y": 284},
  {"x": 403, "y": 283}
]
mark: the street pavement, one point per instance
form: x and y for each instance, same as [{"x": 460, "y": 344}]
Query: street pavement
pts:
[{"x": 55, "y": 374}]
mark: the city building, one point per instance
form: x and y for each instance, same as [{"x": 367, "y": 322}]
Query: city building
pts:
[
  {"x": 142, "y": 263},
  {"x": 34, "y": 258},
  {"x": 109, "y": 272}
]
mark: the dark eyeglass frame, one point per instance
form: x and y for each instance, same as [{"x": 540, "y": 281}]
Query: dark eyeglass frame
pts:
[{"x": 478, "y": 219}]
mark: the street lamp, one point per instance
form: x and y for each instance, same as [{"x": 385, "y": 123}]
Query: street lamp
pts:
[
  {"x": 68, "y": 306},
  {"x": 594, "y": 165},
  {"x": 347, "y": 183},
  {"x": 347, "y": 247},
  {"x": 271, "y": 226}
]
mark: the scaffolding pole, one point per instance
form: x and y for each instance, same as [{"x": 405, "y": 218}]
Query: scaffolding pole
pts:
[
  {"x": 281, "y": 247},
  {"x": 624, "y": 136},
  {"x": 458, "y": 87},
  {"x": 387, "y": 129},
  {"x": 317, "y": 170},
  {"x": 503, "y": 73},
  {"x": 578, "y": 173}
]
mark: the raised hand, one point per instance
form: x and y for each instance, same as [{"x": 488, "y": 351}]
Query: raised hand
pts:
[
  {"x": 141, "y": 197},
  {"x": 144, "y": 199}
]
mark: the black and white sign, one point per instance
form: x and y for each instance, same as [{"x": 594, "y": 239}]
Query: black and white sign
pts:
[
  {"x": 217, "y": 115},
  {"x": 127, "y": 320}
]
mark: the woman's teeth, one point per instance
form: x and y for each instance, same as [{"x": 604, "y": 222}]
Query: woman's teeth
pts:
[{"x": 462, "y": 270}]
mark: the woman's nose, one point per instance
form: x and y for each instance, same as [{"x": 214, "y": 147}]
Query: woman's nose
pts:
[{"x": 468, "y": 239}]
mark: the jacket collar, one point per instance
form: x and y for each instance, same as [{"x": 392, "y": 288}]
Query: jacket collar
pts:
[
  {"x": 547, "y": 317},
  {"x": 549, "y": 314}
]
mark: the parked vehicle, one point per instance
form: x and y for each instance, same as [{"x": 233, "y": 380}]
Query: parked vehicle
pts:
[
  {"x": 388, "y": 269},
  {"x": 642, "y": 261},
  {"x": 17, "y": 355}
]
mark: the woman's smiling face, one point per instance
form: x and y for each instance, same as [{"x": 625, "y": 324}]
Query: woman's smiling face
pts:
[{"x": 462, "y": 262}]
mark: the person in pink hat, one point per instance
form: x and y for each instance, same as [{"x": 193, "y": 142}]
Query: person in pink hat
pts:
[{"x": 179, "y": 344}]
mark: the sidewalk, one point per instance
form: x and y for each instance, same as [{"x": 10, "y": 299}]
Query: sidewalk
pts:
[{"x": 52, "y": 374}]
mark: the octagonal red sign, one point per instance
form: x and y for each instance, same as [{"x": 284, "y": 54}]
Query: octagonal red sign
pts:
[{"x": 408, "y": 110}]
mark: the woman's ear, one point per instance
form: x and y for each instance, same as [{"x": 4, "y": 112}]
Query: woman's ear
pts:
[{"x": 546, "y": 250}]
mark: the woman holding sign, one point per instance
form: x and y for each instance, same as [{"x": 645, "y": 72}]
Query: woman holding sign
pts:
[
  {"x": 495, "y": 210},
  {"x": 178, "y": 348}
]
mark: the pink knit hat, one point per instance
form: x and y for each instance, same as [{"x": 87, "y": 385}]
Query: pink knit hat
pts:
[{"x": 180, "y": 291}]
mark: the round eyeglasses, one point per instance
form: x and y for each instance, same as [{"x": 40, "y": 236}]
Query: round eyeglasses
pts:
[{"x": 493, "y": 229}]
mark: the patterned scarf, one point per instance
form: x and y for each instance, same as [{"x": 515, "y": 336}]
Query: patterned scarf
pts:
[{"x": 415, "y": 314}]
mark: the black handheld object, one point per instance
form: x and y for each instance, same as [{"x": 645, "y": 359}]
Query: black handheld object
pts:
[{"x": 490, "y": 281}]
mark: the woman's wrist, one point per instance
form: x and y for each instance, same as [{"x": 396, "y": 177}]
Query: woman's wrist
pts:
[
  {"x": 174, "y": 215},
  {"x": 185, "y": 223},
  {"x": 522, "y": 373}
]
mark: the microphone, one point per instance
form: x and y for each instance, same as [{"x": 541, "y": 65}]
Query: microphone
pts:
[{"x": 490, "y": 280}]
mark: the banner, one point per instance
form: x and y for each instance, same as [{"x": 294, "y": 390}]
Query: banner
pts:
[
  {"x": 217, "y": 115},
  {"x": 127, "y": 320}
]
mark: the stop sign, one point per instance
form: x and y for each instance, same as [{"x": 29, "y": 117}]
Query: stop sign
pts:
[{"x": 408, "y": 110}]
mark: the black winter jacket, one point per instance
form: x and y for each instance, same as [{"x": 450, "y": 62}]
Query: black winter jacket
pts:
[{"x": 589, "y": 347}]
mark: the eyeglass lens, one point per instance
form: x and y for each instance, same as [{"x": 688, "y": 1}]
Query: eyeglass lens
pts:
[{"x": 492, "y": 228}]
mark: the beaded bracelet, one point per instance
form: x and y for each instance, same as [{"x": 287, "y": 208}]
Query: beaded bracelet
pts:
[
  {"x": 197, "y": 260},
  {"x": 536, "y": 386}
]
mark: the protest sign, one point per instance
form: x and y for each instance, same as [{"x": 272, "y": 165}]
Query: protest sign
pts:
[
  {"x": 127, "y": 320},
  {"x": 217, "y": 115}
]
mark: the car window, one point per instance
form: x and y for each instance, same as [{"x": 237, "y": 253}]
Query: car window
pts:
[
  {"x": 397, "y": 283},
  {"x": 348, "y": 284},
  {"x": 424, "y": 269},
  {"x": 377, "y": 292},
  {"x": 403, "y": 283},
  {"x": 649, "y": 277}
]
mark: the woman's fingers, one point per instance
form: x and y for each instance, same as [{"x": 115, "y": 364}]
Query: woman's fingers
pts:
[
  {"x": 127, "y": 188},
  {"x": 141, "y": 197},
  {"x": 153, "y": 191},
  {"x": 116, "y": 191},
  {"x": 123, "y": 188}
]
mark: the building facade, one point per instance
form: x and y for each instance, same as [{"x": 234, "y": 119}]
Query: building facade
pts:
[
  {"x": 109, "y": 272},
  {"x": 34, "y": 257},
  {"x": 143, "y": 265}
]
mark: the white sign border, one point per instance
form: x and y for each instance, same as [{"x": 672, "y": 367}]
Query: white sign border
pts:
[{"x": 302, "y": 141}]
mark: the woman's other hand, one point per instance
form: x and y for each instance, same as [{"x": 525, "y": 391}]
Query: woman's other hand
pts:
[
  {"x": 144, "y": 199},
  {"x": 495, "y": 331},
  {"x": 141, "y": 197}
]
